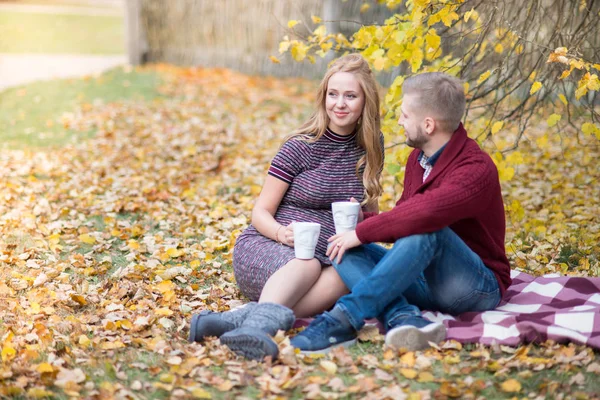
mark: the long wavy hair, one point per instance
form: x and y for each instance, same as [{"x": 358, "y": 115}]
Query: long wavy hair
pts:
[{"x": 368, "y": 128}]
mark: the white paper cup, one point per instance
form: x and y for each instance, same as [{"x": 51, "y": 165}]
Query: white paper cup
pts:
[
  {"x": 345, "y": 215},
  {"x": 306, "y": 236}
]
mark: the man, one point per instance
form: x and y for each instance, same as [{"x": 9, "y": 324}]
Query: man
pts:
[{"x": 447, "y": 228}]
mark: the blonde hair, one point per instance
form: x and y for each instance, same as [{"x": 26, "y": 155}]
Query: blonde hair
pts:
[
  {"x": 368, "y": 132},
  {"x": 438, "y": 93}
]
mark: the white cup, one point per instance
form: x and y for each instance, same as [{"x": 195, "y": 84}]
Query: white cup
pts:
[
  {"x": 306, "y": 236},
  {"x": 345, "y": 215}
]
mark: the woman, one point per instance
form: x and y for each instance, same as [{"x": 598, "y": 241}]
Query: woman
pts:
[{"x": 334, "y": 156}]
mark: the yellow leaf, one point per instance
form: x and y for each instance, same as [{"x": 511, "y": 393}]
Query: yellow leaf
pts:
[
  {"x": 511, "y": 386},
  {"x": 39, "y": 393},
  {"x": 563, "y": 99},
  {"x": 496, "y": 126},
  {"x": 173, "y": 252},
  {"x": 506, "y": 173},
  {"x": 535, "y": 87},
  {"x": 84, "y": 340},
  {"x": 588, "y": 128},
  {"x": 133, "y": 244},
  {"x": 163, "y": 312},
  {"x": 553, "y": 120},
  {"x": 44, "y": 367},
  {"x": 364, "y": 7},
  {"x": 79, "y": 299},
  {"x": 315, "y": 19},
  {"x": 408, "y": 373},
  {"x": 328, "y": 366},
  {"x": 408, "y": 359},
  {"x": 298, "y": 51},
  {"x": 379, "y": 63},
  {"x": 284, "y": 46},
  {"x": 274, "y": 60},
  {"x": 425, "y": 377},
  {"x": 484, "y": 77},
  {"x": 515, "y": 158},
  {"x": 125, "y": 324},
  {"x": 542, "y": 142},
  {"x": 199, "y": 393},
  {"x": 320, "y": 31},
  {"x": 85, "y": 238},
  {"x": 8, "y": 353},
  {"x": 499, "y": 48},
  {"x": 292, "y": 23},
  {"x": 468, "y": 15}
]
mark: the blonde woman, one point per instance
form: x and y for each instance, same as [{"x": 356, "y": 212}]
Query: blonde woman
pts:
[{"x": 334, "y": 156}]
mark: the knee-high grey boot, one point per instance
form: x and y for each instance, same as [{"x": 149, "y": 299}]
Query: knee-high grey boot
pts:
[
  {"x": 253, "y": 339},
  {"x": 209, "y": 323}
]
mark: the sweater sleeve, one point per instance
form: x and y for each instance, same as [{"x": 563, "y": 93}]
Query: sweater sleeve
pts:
[
  {"x": 290, "y": 160},
  {"x": 463, "y": 193}
]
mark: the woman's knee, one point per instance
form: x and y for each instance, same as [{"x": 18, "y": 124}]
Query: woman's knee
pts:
[{"x": 309, "y": 268}]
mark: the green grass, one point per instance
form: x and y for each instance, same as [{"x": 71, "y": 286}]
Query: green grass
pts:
[
  {"x": 56, "y": 33},
  {"x": 30, "y": 114}
]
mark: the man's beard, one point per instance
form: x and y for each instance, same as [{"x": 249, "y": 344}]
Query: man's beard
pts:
[{"x": 419, "y": 140}]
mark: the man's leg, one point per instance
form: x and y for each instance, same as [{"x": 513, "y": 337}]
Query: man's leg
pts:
[
  {"x": 457, "y": 281},
  {"x": 396, "y": 277},
  {"x": 358, "y": 263}
]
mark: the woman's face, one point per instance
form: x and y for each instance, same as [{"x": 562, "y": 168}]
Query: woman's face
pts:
[{"x": 344, "y": 102}]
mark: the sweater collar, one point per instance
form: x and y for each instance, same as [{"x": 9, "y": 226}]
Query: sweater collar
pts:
[
  {"x": 334, "y": 137},
  {"x": 451, "y": 150}
]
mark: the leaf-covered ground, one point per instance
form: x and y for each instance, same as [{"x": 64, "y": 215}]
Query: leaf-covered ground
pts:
[{"x": 108, "y": 247}]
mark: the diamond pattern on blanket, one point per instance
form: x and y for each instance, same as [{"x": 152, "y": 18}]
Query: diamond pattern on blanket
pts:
[
  {"x": 548, "y": 290},
  {"x": 535, "y": 309},
  {"x": 580, "y": 322}
]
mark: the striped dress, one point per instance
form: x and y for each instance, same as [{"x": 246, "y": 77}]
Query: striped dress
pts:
[{"x": 318, "y": 173}]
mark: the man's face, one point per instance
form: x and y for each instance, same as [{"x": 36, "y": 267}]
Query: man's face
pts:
[{"x": 411, "y": 121}]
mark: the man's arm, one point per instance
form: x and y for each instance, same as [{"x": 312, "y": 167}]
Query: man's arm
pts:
[{"x": 464, "y": 193}]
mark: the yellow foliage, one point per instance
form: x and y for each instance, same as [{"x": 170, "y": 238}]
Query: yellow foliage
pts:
[
  {"x": 553, "y": 120},
  {"x": 511, "y": 386},
  {"x": 496, "y": 126},
  {"x": 484, "y": 77},
  {"x": 535, "y": 87}
]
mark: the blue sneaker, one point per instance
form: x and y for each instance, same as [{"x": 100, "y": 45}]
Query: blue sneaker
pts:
[
  {"x": 324, "y": 333},
  {"x": 414, "y": 333}
]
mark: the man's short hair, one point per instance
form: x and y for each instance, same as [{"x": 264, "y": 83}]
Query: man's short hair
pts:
[{"x": 440, "y": 95}]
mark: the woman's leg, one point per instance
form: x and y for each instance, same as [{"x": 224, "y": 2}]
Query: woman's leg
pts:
[
  {"x": 291, "y": 282},
  {"x": 321, "y": 296}
]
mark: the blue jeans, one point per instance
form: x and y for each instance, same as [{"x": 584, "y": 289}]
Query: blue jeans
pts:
[{"x": 434, "y": 271}]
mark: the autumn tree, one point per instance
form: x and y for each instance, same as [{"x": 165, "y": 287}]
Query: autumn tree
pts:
[{"x": 522, "y": 62}]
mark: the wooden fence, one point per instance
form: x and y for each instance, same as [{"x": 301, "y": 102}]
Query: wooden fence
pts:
[{"x": 237, "y": 34}]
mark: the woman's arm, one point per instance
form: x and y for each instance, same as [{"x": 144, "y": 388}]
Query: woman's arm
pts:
[{"x": 263, "y": 213}]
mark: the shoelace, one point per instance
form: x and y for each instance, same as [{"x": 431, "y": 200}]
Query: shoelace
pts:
[{"x": 319, "y": 325}]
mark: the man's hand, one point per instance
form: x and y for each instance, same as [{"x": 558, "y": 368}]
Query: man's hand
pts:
[{"x": 340, "y": 243}]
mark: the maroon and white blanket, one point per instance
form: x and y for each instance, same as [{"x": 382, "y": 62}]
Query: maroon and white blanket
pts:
[{"x": 534, "y": 309}]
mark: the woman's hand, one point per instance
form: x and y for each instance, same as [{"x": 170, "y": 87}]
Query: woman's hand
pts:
[
  {"x": 340, "y": 243},
  {"x": 285, "y": 235}
]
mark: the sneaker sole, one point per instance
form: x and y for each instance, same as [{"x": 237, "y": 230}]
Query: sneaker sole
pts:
[
  {"x": 250, "y": 343},
  {"x": 345, "y": 344},
  {"x": 413, "y": 338}
]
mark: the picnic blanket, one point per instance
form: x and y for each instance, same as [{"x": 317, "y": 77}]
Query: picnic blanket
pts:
[{"x": 534, "y": 309}]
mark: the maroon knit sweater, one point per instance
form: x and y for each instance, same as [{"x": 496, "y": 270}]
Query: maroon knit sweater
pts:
[{"x": 462, "y": 192}]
